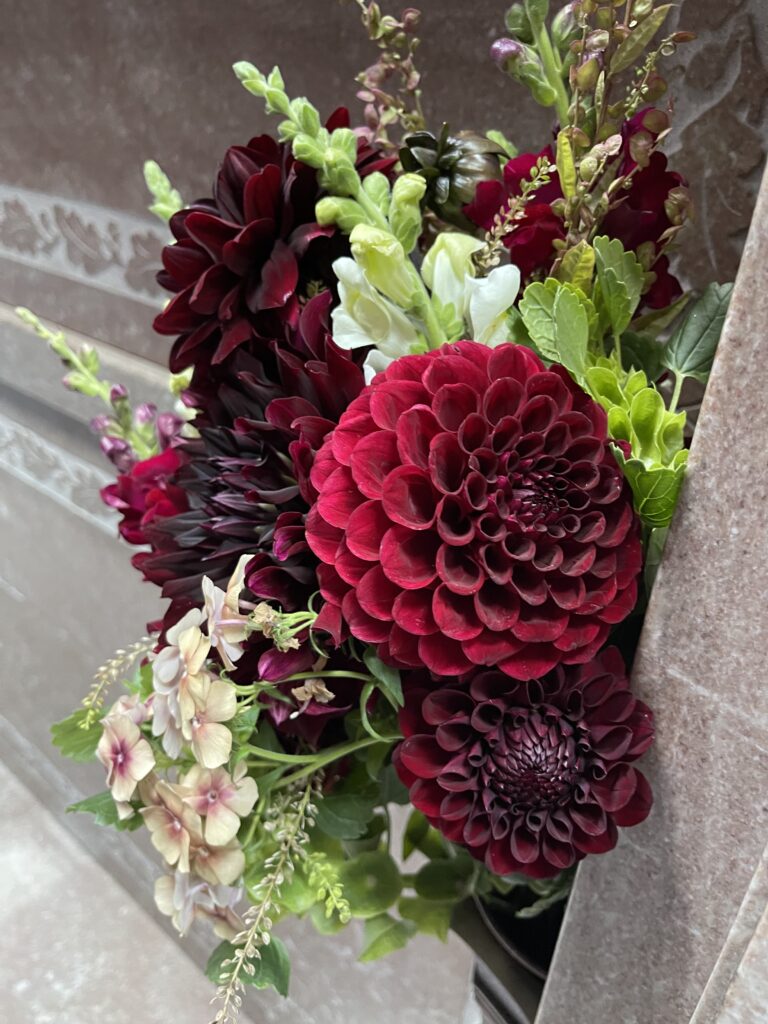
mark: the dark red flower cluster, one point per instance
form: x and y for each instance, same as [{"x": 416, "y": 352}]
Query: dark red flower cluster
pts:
[
  {"x": 470, "y": 512},
  {"x": 243, "y": 258},
  {"x": 144, "y": 493},
  {"x": 641, "y": 218},
  {"x": 529, "y": 776}
]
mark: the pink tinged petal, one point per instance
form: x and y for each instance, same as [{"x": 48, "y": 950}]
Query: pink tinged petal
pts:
[
  {"x": 339, "y": 498},
  {"x": 220, "y": 702},
  {"x": 243, "y": 796},
  {"x": 221, "y": 825},
  {"x": 141, "y": 760},
  {"x": 212, "y": 744},
  {"x": 415, "y": 430},
  {"x": 408, "y": 558},
  {"x": 409, "y": 498},
  {"x": 322, "y": 538},
  {"x": 372, "y": 459}
]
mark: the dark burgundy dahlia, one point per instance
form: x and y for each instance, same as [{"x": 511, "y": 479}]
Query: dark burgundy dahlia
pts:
[
  {"x": 471, "y": 512},
  {"x": 243, "y": 258},
  {"x": 529, "y": 776}
]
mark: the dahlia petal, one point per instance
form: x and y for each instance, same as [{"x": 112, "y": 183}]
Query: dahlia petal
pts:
[
  {"x": 376, "y": 594},
  {"x": 185, "y": 262},
  {"x": 524, "y": 844},
  {"x": 210, "y": 232},
  {"x": 499, "y": 857},
  {"x": 456, "y": 806},
  {"x": 599, "y": 842},
  {"x": 530, "y": 585},
  {"x": 412, "y": 611},
  {"x": 610, "y": 742},
  {"x": 443, "y": 656},
  {"x": 415, "y": 429},
  {"x": 621, "y": 606},
  {"x": 590, "y": 818},
  {"x": 329, "y": 621},
  {"x": 322, "y": 537},
  {"x": 447, "y": 463},
  {"x": 458, "y": 570},
  {"x": 365, "y": 627},
  {"x": 473, "y": 432},
  {"x": 541, "y": 624},
  {"x": 497, "y": 607},
  {"x": 452, "y": 369},
  {"x": 530, "y": 662},
  {"x": 476, "y": 832},
  {"x": 577, "y": 634},
  {"x": 409, "y": 498},
  {"x": 390, "y": 400},
  {"x": 454, "y": 525},
  {"x": 426, "y": 796},
  {"x": 617, "y": 788},
  {"x": 639, "y": 806},
  {"x": 408, "y": 558},
  {"x": 372, "y": 459},
  {"x": 350, "y": 432},
  {"x": 249, "y": 248},
  {"x": 559, "y": 855},
  {"x": 453, "y": 735},
  {"x": 365, "y": 529},
  {"x": 502, "y": 399},
  {"x": 579, "y": 561},
  {"x": 349, "y": 567},
  {"x": 452, "y": 403},
  {"x": 455, "y": 614},
  {"x": 403, "y": 647},
  {"x": 279, "y": 278},
  {"x": 490, "y": 648},
  {"x": 424, "y": 756},
  {"x": 568, "y": 592},
  {"x": 339, "y": 498},
  {"x": 262, "y": 194},
  {"x": 596, "y": 595},
  {"x": 444, "y": 705}
]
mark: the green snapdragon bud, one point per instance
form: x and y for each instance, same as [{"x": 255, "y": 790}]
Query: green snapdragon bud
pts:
[
  {"x": 346, "y": 213},
  {"x": 405, "y": 209},
  {"x": 385, "y": 264}
]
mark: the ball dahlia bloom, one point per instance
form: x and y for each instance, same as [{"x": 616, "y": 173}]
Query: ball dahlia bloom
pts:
[
  {"x": 530, "y": 776},
  {"x": 471, "y": 513}
]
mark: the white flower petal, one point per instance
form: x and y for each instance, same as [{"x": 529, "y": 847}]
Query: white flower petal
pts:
[{"x": 489, "y": 299}]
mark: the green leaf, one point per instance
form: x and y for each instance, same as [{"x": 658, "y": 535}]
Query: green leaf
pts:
[
  {"x": 691, "y": 350},
  {"x": 75, "y": 742},
  {"x": 344, "y": 816},
  {"x": 415, "y": 832},
  {"x": 620, "y": 278},
  {"x": 296, "y": 896},
  {"x": 656, "y": 489},
  {"x": 558, "y": 323},
  {"x": 272, "y": 967},
  {"x": 577, "y": 266},
  {"x": 387, "y": 678},
  {"x": 537, "y": 11},
  {"x": 657, "y": 320},
  {"x": 501, "y": 140},
  {"x": 429, "y": 917},
  {"x": 384, "y": 934},
  {"x": 104, "y": 810},
  {"x": 566, "y": 167},
  {"x": 371, "y": 883},
  {"x": 323, "y": 924},
  {"x": 638, "y": 39},
  {"x": 391, "y": 789},
  {"x": 550, "y": 891},
  {"x": 444, "y": 879},
  {"x": 641, "y": 352}
]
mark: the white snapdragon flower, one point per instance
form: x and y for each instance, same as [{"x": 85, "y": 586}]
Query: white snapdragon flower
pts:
[{"x": 364, "y": 317}]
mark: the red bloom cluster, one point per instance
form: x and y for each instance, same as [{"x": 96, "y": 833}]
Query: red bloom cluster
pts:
[
  {"x": 640, "y": 219},
  {"x": 470, "y": 512},
  {"x": 144, "y": 493},
  {"x": 529, "y": 776}
]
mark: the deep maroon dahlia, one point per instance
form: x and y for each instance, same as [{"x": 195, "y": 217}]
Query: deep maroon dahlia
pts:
[
  {"x": 242, "y": 259},
  {"x": 529, "y": 776},
  {"x": 642, "y": 218},
  {"x": 470, "y": 512}
]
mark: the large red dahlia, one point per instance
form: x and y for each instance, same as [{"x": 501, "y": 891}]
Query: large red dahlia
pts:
[
  {"x": 530, "y": 776},
  {"x": 470, "y": 512}
]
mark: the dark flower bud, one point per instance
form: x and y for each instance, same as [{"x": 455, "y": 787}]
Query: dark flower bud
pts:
[
  {"x": 118, "y": 451},
  {"x": 678, "y": 205},
  {"x": 411, "y": 18},
  {"x": 168, "y": 427},
  {"x": 683, "y": 37},
  {"x": 504, "y": 51},
  {"x": 144, "y": 413},
  {"x": 100, "y": 423},
  {"x": 117, "y": 393}
]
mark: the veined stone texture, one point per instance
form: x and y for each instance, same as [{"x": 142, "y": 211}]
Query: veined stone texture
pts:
[{"x": 646, "y": 925}]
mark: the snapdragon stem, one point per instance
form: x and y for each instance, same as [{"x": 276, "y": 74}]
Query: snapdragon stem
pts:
[
  {"x": 679, "y": 379},
  {"x": 551, "y": 63}
]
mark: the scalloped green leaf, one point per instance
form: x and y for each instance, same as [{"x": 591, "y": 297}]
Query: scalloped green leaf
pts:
[
  {"x": 620, "y": 279},
  {"x": 272, "y": 967},
  {"x": 75, "y": 742},
  {"x": 102, "y": 806},
  {"x": 656, "y": 490},
  {"x": 345, "y": 815}
]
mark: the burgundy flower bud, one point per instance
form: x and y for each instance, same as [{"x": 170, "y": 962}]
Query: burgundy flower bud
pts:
[
  {"x": 506, "y": 51},
  {"x": 168, "y": 427},
  {"x": 117, "y": 393},
  {"x": 411, "y": 18},
  {"x": 100, "y": 423},
  {"x": 118, "y": 451},
  {"x": 144, "y": 413}
]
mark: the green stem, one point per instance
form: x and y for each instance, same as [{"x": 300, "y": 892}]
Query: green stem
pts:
[
  {"x": 374, "y": 214},
  {"x": 679, "y": 379},
  {"x": 552, "y": 70},
  {"x": 617, "y": 347},
  {"x": 328, "y": 756}
]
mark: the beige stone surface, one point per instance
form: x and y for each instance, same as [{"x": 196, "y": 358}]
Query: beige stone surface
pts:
[
  {"x": 646, "y": 924},
  {"x": 74, "y": 949}
]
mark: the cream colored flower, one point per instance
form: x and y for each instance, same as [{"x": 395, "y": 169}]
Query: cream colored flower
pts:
[
  {"x": 219, "y": 865},
  {"x": 131, "y": 706},
  {"x": 184, "y": 897},
  {"x": 125, "y": 754},
  {"x": 220, "y": 798},
  {"x": 227, "y": 627},
  {"x": 173, "y": 826},
  {"x": 213, "y": 701},
  {"x": 172, "y": 670}
]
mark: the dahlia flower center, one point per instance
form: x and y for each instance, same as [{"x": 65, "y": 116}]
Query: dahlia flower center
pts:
[
  {"x": 535, "y": 761},
  {"x": 532, "y": 495}
]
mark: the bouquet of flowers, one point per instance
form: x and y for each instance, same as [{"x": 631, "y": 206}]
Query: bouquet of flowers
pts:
[{"x": 407, "y": 503}]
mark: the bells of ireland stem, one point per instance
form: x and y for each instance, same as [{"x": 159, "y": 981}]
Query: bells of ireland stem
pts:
[{"x": 386, "y": 265}]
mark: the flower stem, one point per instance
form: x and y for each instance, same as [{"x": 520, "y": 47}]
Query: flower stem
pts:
[
  {"x": 333, "y": 754},
  {"x": 550, "y": 62},
  {"x": 679, "y": 380}
]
